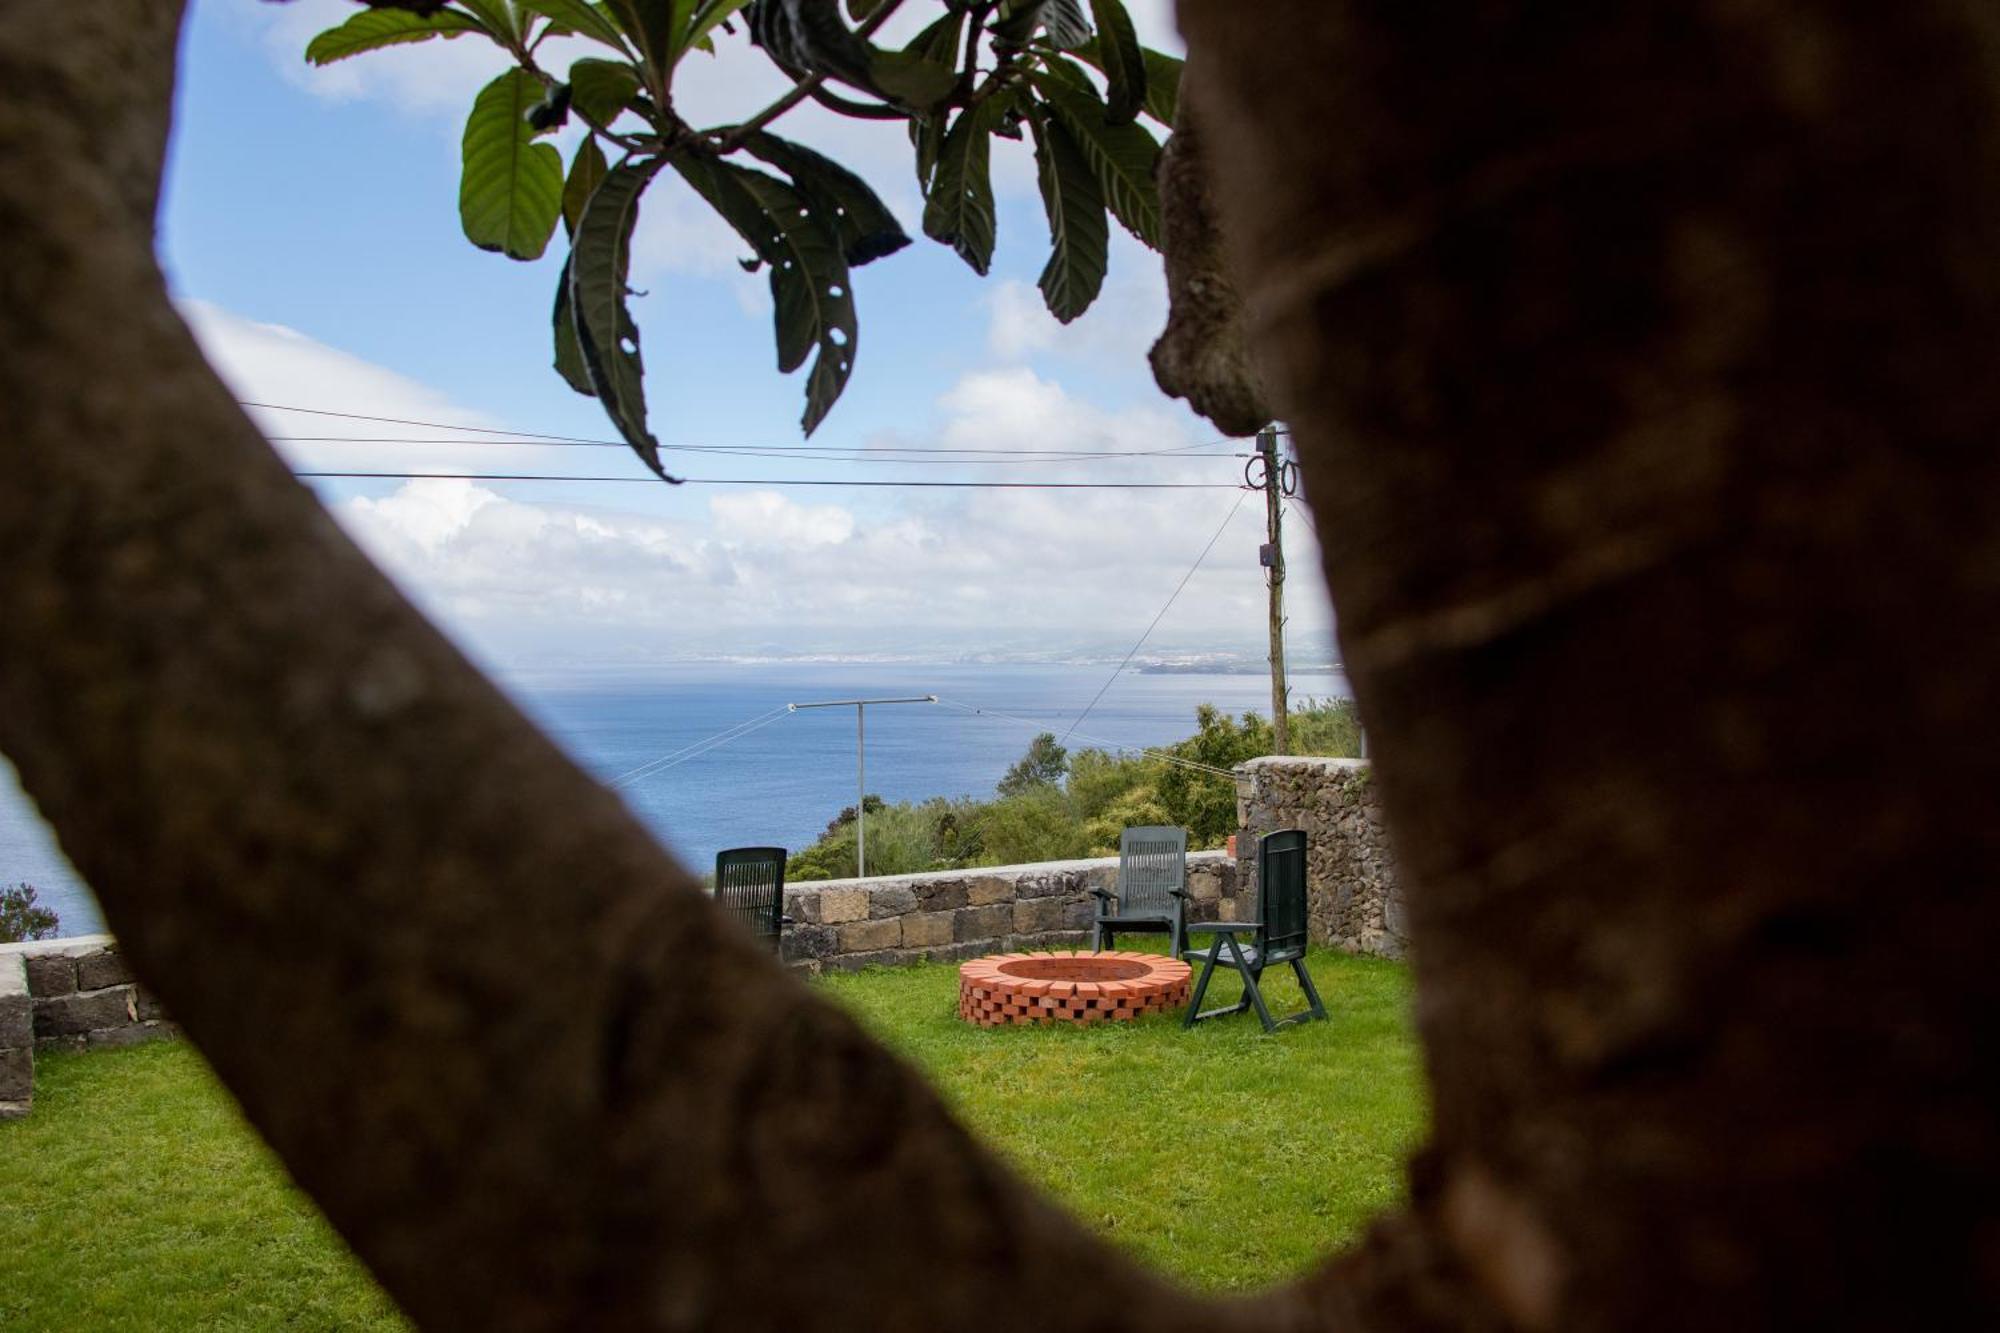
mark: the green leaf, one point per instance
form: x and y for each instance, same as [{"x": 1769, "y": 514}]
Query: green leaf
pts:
[
  {"x": 510, "y": 193},
  {"x": 939, "y": 42},
  {"x": 580, "y": 17},
  {"x": 499, "y": 18},
  {"x": 862, "y": 10},
  {"x": 1120, "y": 156},
  {"x": 586, "y": 172},
  {"x": 1078, "y": 232},
  {"x": 651, "y": 24},
  {"x": 706, "y": 20},
  {"x": 601, "y": 89},
  {"x": 1124, "y": 61},
  {"x": 569, "y": 348},
  {"x": 373, "y": 29},
  {"x": 911, "y": 79},
  {"x": 599, "y": 265},
  {"x": 1163, "y": 79},
  {"x": 810, "y": 285},
  {"x": 867, "y": 229},
  {"x": 959, "y": 207},
  {"x": 1065, "y": 24}
]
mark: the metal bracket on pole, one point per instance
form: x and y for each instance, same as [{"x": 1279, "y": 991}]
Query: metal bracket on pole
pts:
[{"x": 860, "y": 707}]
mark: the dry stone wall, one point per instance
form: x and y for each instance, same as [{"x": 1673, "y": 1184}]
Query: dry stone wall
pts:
[
  {"x": 1354, "y": 898},
  {"x": 69, "y": 994},
  {"x": 953, "y": 915}
]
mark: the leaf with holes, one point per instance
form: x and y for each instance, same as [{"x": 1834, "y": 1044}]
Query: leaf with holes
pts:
[
  {"x": 599, "y": 265},
  {"x": 810, "y": 285},
  {"x": 868, "y": 230},
  {"x": 1078, "y": 231},
  {"x": 1123, "y": 63},
  {"x": 373, "y": 29},
  {"x": 510, "y": 192},
  {"x": 1121, "y": 156},
  {"x": 959, "y": 209}
]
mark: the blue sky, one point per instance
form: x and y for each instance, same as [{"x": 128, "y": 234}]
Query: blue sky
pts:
[{"x": 310, "y": 231}]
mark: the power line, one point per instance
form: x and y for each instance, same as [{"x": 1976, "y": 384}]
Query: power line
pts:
[
  {"x": 699, "y": 748},
  {"x": 1156, "y": 619},
  {"x": 790, "y": 481},
  {"x": 805, "y": 453},
  {"x": 580, "y": 441}
]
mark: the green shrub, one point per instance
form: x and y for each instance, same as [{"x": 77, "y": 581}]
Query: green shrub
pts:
[{"x": 21, "y": 918}]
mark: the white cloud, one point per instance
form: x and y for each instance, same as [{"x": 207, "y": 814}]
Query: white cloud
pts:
[
  {"x": 915, "y": 572},
  {"x": 1114, "y": 334}
]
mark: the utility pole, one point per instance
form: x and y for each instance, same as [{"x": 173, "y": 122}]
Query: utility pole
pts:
[
  {"x": 860, "y": 707},
  {"x": 1279, "y": 480}
]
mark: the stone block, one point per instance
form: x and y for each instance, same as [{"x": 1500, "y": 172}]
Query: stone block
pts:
[
  {"x": 893, "y": 900},
  {"x": 1043, "y": 886},
  {"x": 1033, "y": 915},
  {"x": 1204, "y": 885},
  {"x": 86, "y": 1011},
  {"x": 17, "y": 1075},
  {"x": 870, "y": 936},
  {"x": 854, "y": 962},
  {"x": 837, "y": 905},
  {"x": 921, "y": 930},
  {"x": 14, "y": 1110},
  {"x": 1078, "y": 915},
  {"x": 983, "y": 923},
  {"x": 95, "y": 971},
  {"x": 17, "y": 1021},
  {"x": 987, "y": 890},
  {"x": 802, "y": 907},
  {"x": 136, "y": 1034},
  {"x": 809, "y": 943},
  {"x": 50, "y": 975},
  {"x": 149, "y": 1006},
  {"x": 941, "y": 895}
]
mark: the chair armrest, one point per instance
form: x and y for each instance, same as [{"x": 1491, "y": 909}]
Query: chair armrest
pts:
[
  {"x": 784, "y": 921},
  {"x": 1228, "y": 927},
  {"x": 1178, "y": 893},
  {"x": 1103, "y": 895}
]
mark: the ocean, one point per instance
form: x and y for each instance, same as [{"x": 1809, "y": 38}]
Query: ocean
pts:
[{"x": 781, "y": 782}]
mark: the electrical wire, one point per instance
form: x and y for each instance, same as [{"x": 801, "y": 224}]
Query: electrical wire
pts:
[
  {"x": 802, "y": 453},
  {"x": 698, "y": 748},
  {"x": 789, "y": 481},
  {"x": 1227, "y": 519},
  {"x": 588, "y": 442}
]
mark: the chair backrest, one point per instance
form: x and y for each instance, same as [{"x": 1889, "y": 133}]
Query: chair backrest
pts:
[
  {"x": 1152, "y": 859},
  {"x": 750, "y": 884},
  {"x": 1281, "y": 894}
]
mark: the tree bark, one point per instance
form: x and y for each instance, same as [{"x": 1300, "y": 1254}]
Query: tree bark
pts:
[
  {"x": 1202, "y": 356},
  {"x": 1639, "y": 356}
]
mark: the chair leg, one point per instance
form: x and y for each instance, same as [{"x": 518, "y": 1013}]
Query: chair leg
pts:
[
  {"x": 1317, "y": 1009},
  {"x": 1251, "y": 991},
  {"x": 1194, "y": 1013},
  {"x": 1099, "y": 937}
]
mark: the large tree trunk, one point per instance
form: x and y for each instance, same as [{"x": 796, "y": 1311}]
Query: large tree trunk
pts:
[
  {"x": 1641, "y": 360},
  {"x": 1636, "y": 353}
]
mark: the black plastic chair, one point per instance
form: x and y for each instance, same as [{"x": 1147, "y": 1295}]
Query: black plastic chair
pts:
[
  {"x": 750, "y": 884},
  {"x": 1278, "y": 935},
  {"x": 1152, "y": 888}
]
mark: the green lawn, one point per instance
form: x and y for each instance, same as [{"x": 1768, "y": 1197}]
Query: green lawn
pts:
[{"x": 135, "y": 1198}]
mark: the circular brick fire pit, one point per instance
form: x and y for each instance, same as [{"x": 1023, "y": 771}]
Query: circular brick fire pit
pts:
[{"x": 1069, "y": 987}]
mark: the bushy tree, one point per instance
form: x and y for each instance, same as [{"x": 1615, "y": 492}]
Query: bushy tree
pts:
[
  {"x": 1042, "y": 766},
  {"x": 21, "y": 918}
]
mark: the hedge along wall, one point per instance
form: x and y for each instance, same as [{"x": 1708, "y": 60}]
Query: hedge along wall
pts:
[
  {"x": 1354, "y": 899},
  {"x": 66, "y": 994},
  {"x": 952, "y": 915}
]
